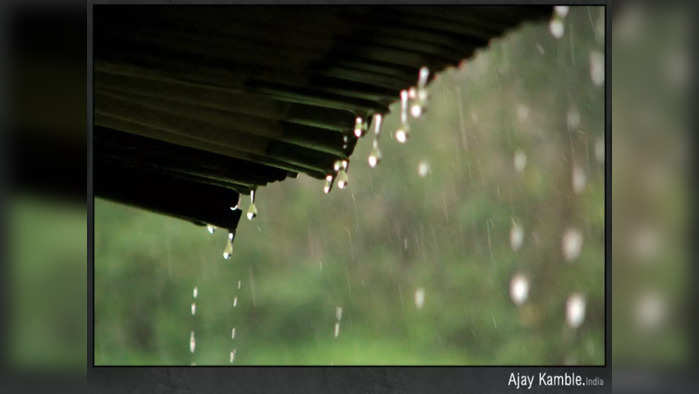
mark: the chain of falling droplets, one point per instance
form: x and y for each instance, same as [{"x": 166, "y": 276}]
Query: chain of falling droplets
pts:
[
  {"x": 375, "y": 155},
  {"x": 192, "y": 339},
  {"x": 234, "y": 351},
  {"x": 418, "y": 98}
]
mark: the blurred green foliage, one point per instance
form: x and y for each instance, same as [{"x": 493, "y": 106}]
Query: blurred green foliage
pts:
[{"x": 368, "y": 249}]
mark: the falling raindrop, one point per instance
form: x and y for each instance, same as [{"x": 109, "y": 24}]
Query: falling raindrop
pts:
[
  {"x": 329, "y": 180},
  {"x": 522, "y": 112},
  {"x": 233, "y": 333},
  {"x": 240, "y": 284},
  {"x": 423, "y": 168},
  {"x": 232, "y": 356},
  {"x": 561, "y": 10},
  {"x": 519, "y": 289},
  {"x": 375, "y": 155},
  {"x": 556, "y": 27},
  {"x": 338, "y": 313},
  {"x": 194, "y": 308},
  {"x": 579, "y": 179},
  {"x": 342, "y": 177},
  {"x": 645, "y": 243},
  {"x": 402, "y": 135},
  {"x": 520, "y": 160},
  {"x": 650, "y": 310},
  {"x": 572, "y": 244},
  {"x": 540, "y": 49},
  {"x": 573, "y": 118},
  {"x": 599, "y": 150},
  {"x": 403, "y": 131},
  {"x": 416, "y": 110},
  {"x": 359, "y": 127},
  {"x": 420, "y": 94},
  {"x": 235, "y": 301},
  {"x": 575, "y": 310},
  {"x": 210, "y": 228},
  {"x": 422, "y": 79},
  {"x": 228, "y": 250},
  {"x": 195, "y": 292},
  {"x": 516, "y": 236},
  {"x": 252, "y": 209},
  {"x": 419, "y": 297},
  {"x": 597, "y": 68},
  {"x": 337, "y": 329},
  {"x": 192, "y": 342},
  {"x": 378, "y": 119}
]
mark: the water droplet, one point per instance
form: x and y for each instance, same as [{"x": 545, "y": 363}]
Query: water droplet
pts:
[
  {"x": 575, "y": 310},
  {"x": 359, "y": 127},
  {"x": 235, "y": 301},
  {"x": 378, "y": 119},
  {"x": 522, "y": 112},
  {"x": 519, "y": 289},
  {"x": 556, "y": 27},
  {"x": 422, "y": 78},
  {"x": 520, "y": 160},
  {"x": 337, "y": 329},
  {"x": 375, "y": 155},
  {"x": 572, "y": 244},
  {"x": 240, "y": 284},
  {"x": 419, "y": 297},
  {"x": 402, "y": 135},
  {"x": 573, "y": 118},
  {"x": 342, "y": 179},
  {"x": 419, "y": 96},
  {"x": 338, "y": 313},
  {"x": 516, "y": 236},
  {"x": 210, "y": 228},
  {"x": 423, "y": 168},
  {"x": 650, "y": 310},
  {"x": 233, "y": 333},
  {"x": 599, "y": 150},
  {"x": 540, "y": 49},
  {"x": 329, "y": 180},
  {"x": 645, "y": 243},
  {"x": 228, "y": 250},
  {"x": 195, "y": 292},
  {"x": 192, "y": 342},
  {"x": 194, "y": 308},
  {"x": 252, "y": 209},
  {"x": 597, "y": 68},
  {"x": 232, "y": 356},
  {"x": 579, "y": 179},
  {"x": 561, "y": 10},
  {"x": 416, "y": 110}
]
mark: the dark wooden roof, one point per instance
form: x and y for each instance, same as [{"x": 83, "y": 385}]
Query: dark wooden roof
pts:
[{"x": 195, "y": 104}]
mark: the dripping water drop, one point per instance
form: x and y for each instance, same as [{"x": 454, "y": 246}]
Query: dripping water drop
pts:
[{"x": 252, "y": 209}]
